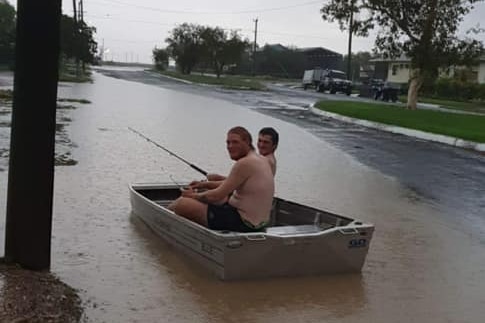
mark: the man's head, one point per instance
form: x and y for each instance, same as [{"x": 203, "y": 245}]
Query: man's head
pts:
[
  {"x": 267, "y": 141},
  {"x": 239, "y": 142}
]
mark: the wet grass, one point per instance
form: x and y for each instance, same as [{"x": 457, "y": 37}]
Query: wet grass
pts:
[
  {"x": 66, "y": 107},
  {"x": 6, "y": 97},
  {"x": 225, "y": 81},
  {"x": 83, "y": 101},
  {"x": 64, "y": 160},
  {"x": 63, "y": 143},
  {"x": 69, "y": 73},
  {"x": 72, "y": 78},
  {"x": 6, "y": 94},
  {"x": 468, "y": 127},
  {"x": 471, "y": 106}
]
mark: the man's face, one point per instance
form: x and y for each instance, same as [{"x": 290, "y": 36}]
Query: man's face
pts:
[
  {"x": 265, "y": 145},
  {"x": 236, "y": 147}
]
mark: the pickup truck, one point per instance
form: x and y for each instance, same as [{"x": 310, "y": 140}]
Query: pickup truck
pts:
[{"x": 324, "y": 79}]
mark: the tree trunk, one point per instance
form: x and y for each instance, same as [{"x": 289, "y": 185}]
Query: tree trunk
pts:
[
  {"x": 219, "y": 70},
  {"x": 415, "y": 82}
]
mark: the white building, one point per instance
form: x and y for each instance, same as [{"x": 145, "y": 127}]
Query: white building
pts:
[{"x": 397, "y": 70}]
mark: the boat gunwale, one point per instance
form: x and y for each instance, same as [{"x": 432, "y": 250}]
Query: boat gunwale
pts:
[{"x": 354, "y": 224}]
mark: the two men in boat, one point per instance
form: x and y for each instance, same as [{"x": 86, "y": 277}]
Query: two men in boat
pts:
[
  {"x": 249, "y": 185},
  {"x": 268, "y": 139}
]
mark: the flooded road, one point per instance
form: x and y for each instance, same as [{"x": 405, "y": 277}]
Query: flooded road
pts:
[{"x": 422, "y": 266}]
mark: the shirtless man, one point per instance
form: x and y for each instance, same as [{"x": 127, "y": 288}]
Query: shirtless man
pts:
[
  {"x": 251, "y": 183},
  {"x": 267, "y": 143}
]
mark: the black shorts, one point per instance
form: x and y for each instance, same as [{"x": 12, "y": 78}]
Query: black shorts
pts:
[{"x": 226, "y": 217}]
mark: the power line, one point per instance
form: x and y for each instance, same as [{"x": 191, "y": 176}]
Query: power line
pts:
[
  {"x": 108, "y": 17},
  {"x": 249, "y": 11}
]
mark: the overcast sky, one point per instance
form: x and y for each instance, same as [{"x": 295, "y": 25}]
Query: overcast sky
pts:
[{"x": 130, "y": 29}]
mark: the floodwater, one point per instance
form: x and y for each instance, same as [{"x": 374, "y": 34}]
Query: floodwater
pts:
[{"x": 419, "y": 268}]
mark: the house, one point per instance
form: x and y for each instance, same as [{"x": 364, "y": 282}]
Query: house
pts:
[
  {"x": 397, "y": 70},
  {"x": 315, "y": 56},
  {"x": 322, "y": 57},
  {"x": 279, "y": 60}
]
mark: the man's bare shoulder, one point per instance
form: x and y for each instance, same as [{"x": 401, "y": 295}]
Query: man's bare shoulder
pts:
[
  {"x": 251, "y": 159},
  {"x": 272, "y": 162}
]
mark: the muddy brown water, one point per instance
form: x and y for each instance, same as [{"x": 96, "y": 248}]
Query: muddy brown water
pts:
[{"x": 419, "y": 268}]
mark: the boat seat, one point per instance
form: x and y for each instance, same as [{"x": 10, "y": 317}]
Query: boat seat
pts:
[{"x": 293, "y": 229}]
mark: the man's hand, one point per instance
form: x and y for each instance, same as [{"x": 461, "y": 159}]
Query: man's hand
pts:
[
  {"x": 189, "y": 192},
  {"x": 195, "y": 185}
]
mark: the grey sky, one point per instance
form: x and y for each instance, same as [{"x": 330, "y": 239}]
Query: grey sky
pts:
[{"x": 130, "y": 29}]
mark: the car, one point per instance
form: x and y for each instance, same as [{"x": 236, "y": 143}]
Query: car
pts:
[
  {"x": 334, "y": 81},
  {"x": 385, "y": 91}
]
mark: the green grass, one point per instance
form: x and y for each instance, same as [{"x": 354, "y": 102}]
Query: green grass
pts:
[
  {"x": 468, "y": 127},
  {"x": 83, "y": 101},
  {"x": 454, "y": 105},
  {"x": 229, "y": 82},
  {"x": 68, "y": 77},
  {"x": 6, "y": 94},
  {"x": 68, "y": 72}
]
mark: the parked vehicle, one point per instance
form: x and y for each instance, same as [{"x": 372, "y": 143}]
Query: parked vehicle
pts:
[
  {"x": 385, "y": 91},
  {"x": 327, "y": 80},
  {"x": 300, "y": 240}
]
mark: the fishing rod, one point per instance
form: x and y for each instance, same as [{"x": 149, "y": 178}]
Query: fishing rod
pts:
[{"x": 200, "y": 170}]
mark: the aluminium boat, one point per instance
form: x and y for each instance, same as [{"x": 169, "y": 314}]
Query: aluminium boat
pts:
[{"x": 300, "y": 239}]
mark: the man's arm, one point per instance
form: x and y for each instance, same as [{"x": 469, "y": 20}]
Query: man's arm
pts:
[
  {"x": 239, "y": 173},
  {"x": 215, "y": 177},
  {"x": 207, "y": 185}
]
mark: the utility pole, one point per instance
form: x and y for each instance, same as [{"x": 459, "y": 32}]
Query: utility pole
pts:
[
  {"x": 255, "y": 44},
  {"x": 349, "y": 55},
  {"x": 74, "y": 11},
  {"x": 28, "y": 226},
  {"x": 102, "y": 50},
  {"x": 81, "y": 11}
]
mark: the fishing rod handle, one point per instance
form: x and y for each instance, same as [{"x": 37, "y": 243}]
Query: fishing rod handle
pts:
[{"x": 203, "y": 172}]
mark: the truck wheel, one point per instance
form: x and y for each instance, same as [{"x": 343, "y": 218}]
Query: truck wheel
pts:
[
  {"x": 333, "y": 91},
  {"x": 305, "y": 86}
]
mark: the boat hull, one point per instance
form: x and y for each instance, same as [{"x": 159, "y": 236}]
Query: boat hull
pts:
[{"x": 294, "y": 245}]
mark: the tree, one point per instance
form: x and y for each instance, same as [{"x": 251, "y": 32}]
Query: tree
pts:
[
  {"x": 359, "y": 61},
  {"x": 67, "y": 36},
  {"x": 425, "y": 31},
  {"x": 87, "y": 46},
  {"x": 160, "y": 58},
  {"x": 7, "y": 33},
  {"x": 220, "y": 49},
  {"x": 77, "y": 40},
  {"x": 185, "y": 46}
]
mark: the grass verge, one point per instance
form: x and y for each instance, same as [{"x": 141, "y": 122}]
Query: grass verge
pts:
[
  {"x": 468, "y": 127},
  {"x": 6, "y": 94},
  {"x": 454, "y": 105},
  {"x": 226, "y": 81}
]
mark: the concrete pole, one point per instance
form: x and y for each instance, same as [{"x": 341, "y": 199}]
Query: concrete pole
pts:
[
  {"x": 255, "y": 44},
  {"x": 349, "y": 57},
  {"x": 31, "y": 165}
]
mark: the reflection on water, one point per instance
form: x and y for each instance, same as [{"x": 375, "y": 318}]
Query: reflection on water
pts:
[
  {"x": 418, "y": 268},
  {"x": 302, "y": 299}
]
